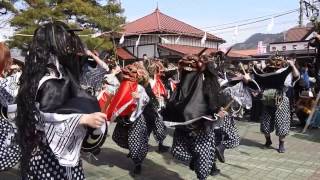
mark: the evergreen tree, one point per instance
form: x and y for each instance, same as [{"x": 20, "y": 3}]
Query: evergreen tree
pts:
[{"x": 89, "y": 15}]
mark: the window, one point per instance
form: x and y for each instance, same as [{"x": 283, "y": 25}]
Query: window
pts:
[
  {"x": 294, "y": 47},
  {"x": 273, "y": 48},
  {"x": 284, "y": 48}
]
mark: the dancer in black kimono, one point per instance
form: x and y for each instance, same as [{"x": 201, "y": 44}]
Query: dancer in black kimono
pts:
[
  {"x": 275, "y": 79},
  {"x": 193, "y": 109},
  {"x": 54, "y": 113},
  {"x": 226, "y": 133}
]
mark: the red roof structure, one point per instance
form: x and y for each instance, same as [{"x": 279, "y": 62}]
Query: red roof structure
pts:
[
  {"x": 159, "y": 22},
  {"x": 184, "y": 50},
  {"x": 124, "y": 54},
  {"x": 298, "y": 34}
]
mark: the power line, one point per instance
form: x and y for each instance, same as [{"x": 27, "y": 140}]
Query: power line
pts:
[
  {"x": 250, "y": 19},
  {"x": 253, "y": 22},
  {"x": 251, "y": 28}
]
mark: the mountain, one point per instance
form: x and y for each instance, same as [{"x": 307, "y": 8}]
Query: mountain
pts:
[{"x": 252, "y": 42}]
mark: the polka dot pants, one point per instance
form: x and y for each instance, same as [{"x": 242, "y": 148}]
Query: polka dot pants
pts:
[
  {"x": 276, "y": 118},
  {"x": 230, "y": 132},
  {"x": 133, "y": 137},
  {"x": 155, "y": 125},
  {"x": 9, "y": 153},
  {"x": 196, "y": 148},
  {"x": 44, "y": 165}
]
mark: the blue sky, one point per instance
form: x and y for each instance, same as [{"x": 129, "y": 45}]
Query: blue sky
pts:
[
  {"x": 204, "y": 13},
  {"x": 208, "y": 13}
]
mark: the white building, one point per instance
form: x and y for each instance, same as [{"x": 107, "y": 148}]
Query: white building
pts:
[
  {"x": 295, "y": 41},
  {"x": 163, "y": 36}
]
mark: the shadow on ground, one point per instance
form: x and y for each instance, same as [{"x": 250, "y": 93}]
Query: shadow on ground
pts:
[
  {"x": 12, "y": 174},
  {"x": 311, "y": 134},
  {"x": 111, "y": 157}
]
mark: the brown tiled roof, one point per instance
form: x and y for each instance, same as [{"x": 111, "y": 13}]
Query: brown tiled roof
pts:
[
  {"x": 159, "y": 22},
  {"x": 124, "y": 54},
  {"x": 297, "y": 34},
  {"x": 184, "y": 50}
]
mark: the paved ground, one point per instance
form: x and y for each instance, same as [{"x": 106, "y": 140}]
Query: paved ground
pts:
[{"x": 248, "y": 162}]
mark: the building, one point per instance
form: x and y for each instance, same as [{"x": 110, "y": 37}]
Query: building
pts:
[
  {"x": 161, "y": 36},
  {"x": 295, "y": 41}
]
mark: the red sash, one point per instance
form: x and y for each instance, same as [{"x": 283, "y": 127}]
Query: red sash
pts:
[
  {"x": 122, "y": 103},
  {"x": 159, "y": 88}
]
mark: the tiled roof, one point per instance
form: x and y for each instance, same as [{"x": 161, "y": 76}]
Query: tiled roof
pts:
[
  {"x": 297, "y": 34},
  {"x": 124, "y": 54},
  {"x": 159, "y": 22},
  {"x": 184, "y": 50}
]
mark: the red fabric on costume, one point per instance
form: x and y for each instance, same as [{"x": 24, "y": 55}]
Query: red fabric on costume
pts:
[
  {"x": 104, "y": 99},
  {"x": 122, "y": 103},
  {"x": 159, "y": 88},
  {"x": 173, "y": 85}
]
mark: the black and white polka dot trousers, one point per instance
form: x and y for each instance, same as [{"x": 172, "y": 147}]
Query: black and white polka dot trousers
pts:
[
  {"x": 10, "y": 154},
  {"x": 133, "y": 137},
  {"x": 276, "y": 118},
  {"x": 156, "y": 126},
  {"x": 44, "y": 165},
  {"x": 230, "y": 133},
  {"x": 196, "y": 148}
]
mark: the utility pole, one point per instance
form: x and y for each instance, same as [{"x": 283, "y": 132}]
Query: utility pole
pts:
[
  {"x": 301, "y": 13},
  {"x": 312, "y": 10}
]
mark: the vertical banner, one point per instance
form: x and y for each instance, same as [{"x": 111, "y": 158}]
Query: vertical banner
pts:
[
  {"x": 121, "y": 39},
  {"x": 204, "y": 38}
]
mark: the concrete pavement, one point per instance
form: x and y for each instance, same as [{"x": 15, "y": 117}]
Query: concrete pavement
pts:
[{"x": 250, "y": 161}]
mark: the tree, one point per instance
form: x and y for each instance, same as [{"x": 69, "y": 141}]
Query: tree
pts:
[
  {"x": 89, "y": 15},
  {"x": 6, "y": 7}
]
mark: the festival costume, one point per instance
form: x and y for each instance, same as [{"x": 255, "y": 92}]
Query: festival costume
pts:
[
  {"x": 105, "y": 96},
  {"x": 228, "y": 134},
  {"x": 9, "y": 149},
  {"x": 131, "y": 130},
  {"x": 92, "y": 77},
  {"x": 153, "y": 119},
  {"x": 275, "y": 114},
  {"x": 157, "y": 93},
  {"x": 192, "y": 111},
  {"x": 62, "y": 103}
]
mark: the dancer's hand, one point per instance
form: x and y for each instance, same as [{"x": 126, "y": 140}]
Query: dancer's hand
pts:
[
  {"x": 94, "y": 120},
  {"x": 222, "y": 113},
  {"x": 291, "y": 62},
  {"x": 246, "y": 78}
]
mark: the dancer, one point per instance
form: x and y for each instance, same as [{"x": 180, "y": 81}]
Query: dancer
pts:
[
  {"x": 275, "y": 78},
  {"x": 9, "y": 150},
  {"x": 127, "y": 107},
  {"x": 193, "y": 108},
  {"x": 93, "y": 72},
  {"x": 110, "y": 85},
  {"x": 54, "y": 113},
  {"x": 157, "y": 93}
]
